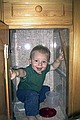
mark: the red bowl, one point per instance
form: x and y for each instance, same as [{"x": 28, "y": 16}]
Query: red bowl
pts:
[{"x": 47, "y": 112}]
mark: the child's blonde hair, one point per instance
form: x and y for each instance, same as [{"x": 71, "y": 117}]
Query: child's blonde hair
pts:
[{"x": 41, "y": 49}]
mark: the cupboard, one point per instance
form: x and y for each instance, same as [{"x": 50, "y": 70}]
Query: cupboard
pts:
[
  {"x": 1, "y": 10},
  {"x": 31, "y": 13},
  {"x": 4, "y": 39},
  {"x": 45, "y": 16}
]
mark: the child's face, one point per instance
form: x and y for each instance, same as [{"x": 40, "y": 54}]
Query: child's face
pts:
[{"x": 39, "y": 62}]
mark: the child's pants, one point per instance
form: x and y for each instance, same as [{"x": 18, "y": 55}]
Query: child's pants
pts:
[{"x": 32, "y": 100}]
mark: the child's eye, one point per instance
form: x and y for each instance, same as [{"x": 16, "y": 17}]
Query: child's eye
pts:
[
  {"x": 44, "y": 61},
  {"x": 36, "y": 60}
]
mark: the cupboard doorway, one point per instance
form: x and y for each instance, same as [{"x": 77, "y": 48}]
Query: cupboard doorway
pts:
[{"x": 21, "y": 43}]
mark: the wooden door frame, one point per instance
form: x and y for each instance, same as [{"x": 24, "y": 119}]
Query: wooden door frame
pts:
[
  {"x": 4, "y": 36},
  {"x": 76, "y": 58},
  {"x": 70, "y": 67},
  {"x": 70, "y": 77}
]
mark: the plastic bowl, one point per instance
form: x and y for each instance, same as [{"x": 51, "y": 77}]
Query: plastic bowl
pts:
[{"x": 47, "y": 112}]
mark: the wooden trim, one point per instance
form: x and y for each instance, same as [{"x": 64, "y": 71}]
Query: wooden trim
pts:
[{"x": 76, "y": 59}]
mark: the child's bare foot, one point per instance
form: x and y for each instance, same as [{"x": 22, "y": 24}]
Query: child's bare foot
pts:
[{"x": 32, "y": 118}]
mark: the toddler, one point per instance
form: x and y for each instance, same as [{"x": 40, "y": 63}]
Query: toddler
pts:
[{"x": 31, "y": 90}]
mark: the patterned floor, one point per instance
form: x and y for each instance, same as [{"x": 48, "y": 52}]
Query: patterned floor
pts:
[{"x": 58, "y": 116}]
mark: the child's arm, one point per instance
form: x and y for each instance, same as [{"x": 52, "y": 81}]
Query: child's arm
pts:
[
  {"x": 57, "y": 62},
  {"x": 17, "y": 73}
]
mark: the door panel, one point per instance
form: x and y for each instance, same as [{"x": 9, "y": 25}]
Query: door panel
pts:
[
  {"x": 4, "y": 39},
  {"x": 76, "y": 59}
]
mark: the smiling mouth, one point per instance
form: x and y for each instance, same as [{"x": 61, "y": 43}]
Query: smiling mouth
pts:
[{"x": 39, "y": 69}]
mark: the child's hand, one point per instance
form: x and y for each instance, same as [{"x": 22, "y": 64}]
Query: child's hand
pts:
[
  {"x": 12, "y": 74},
  {"x": 61, "y": 56}
]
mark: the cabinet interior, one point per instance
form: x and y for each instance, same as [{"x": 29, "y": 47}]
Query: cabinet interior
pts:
[{"x": 21, "y": 43}]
